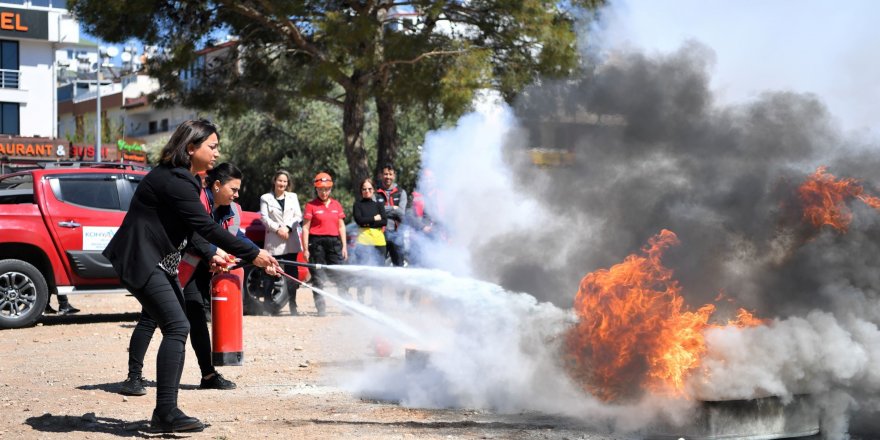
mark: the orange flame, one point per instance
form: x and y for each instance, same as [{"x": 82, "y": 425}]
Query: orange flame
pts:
[
  {"x": 824, "y": 197},
  {"x": 634, "y": 331}
]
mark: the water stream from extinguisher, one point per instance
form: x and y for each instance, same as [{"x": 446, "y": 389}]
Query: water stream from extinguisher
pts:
[{"x": 368, "y": 312}]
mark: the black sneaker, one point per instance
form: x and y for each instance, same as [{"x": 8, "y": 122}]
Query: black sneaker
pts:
[
  {"x": 49, "y": 310},
  {"x": 133, "y": 386},
  {"x": 67, "y": 310},
  {"x": 175, "y": 421},
  {"x": 216, "y": 382}
]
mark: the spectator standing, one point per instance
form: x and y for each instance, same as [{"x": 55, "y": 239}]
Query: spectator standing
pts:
[
  {"x": 282, "y": 216},
  {"x": 324, "y": 240},
  {"x": 421, "y": 219},
  {"x": 394, "y": 199},
  {"x": 370, "y": 249}
]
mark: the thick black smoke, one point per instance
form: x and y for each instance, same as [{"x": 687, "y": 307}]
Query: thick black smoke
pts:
[{"x": 653, "y": 150}]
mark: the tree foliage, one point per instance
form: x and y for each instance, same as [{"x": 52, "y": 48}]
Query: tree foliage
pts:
[
  {"x": 346, "y": 53},
  {"x": 305, "y": 144}
]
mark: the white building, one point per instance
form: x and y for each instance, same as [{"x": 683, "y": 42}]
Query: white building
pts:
[{"x": 31, "y": 31}]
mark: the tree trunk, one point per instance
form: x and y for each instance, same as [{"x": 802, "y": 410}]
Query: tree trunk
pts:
[
  {"x": 387, "y": 144},
  {"x": 353, "y": 130}
]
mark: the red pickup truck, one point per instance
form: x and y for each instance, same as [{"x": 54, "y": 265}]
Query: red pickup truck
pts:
[{"x": 54, "y": 223}]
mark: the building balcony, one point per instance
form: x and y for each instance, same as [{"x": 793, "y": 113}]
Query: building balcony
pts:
[{"x": 10, "y": 79}]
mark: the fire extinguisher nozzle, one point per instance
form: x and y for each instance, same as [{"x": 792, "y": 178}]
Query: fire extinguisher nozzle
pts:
[{"x": 297, "y": 263}]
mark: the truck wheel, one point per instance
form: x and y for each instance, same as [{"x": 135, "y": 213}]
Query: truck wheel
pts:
[
  {"x": 255, "y": 302},
  {"x": 23, "y": 294}
]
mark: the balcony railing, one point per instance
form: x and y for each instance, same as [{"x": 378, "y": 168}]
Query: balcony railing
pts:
[{"x": 9, "y": 79}]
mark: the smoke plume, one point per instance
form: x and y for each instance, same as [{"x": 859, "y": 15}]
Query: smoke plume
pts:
[{"x": 649, "y": 148}]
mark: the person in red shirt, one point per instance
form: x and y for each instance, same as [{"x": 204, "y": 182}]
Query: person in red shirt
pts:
[{"x": 323, "y": 234}]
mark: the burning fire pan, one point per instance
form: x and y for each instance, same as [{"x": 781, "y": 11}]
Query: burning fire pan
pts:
[{"x": 757, "y": 419}]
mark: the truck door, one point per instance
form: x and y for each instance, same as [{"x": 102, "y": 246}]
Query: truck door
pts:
[{"x": 84, "y": 211}]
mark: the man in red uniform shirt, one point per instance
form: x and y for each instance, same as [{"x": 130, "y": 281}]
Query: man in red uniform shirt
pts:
[{"x": 323, "y": 234}]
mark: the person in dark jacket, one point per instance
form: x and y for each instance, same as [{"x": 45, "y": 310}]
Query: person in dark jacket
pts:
[
  {"x": 222, "y": 184},
  {"x": 145, "y": 252},
  {"x": 370, "y": 244}
]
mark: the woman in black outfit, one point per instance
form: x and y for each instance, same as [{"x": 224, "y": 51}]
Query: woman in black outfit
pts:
[
  {"x": 221, "y": 190},
  {"x": 145, "y": 252},
  {"x": 370, "y": 248}
]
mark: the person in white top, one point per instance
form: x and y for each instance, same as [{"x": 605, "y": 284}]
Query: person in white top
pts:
[{"x": 282, "y": 215}]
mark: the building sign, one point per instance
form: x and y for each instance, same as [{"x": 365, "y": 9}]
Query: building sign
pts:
[
  {"x": 132, "y": 152},
  {"x": 33, "y": 148},
  {"x": 24, "y": 23},
  {"x": 86, "y": 152},
  {"x": 61, "y": 149}
]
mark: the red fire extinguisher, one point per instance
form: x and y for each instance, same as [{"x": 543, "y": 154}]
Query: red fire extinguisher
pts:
[{"x": 226, "y": 318}]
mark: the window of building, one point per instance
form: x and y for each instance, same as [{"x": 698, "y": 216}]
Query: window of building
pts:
[
  {"x": 9, "y": 68},
  {"x": 153, "y": 127},
  {"x": 9, "y": 118},
  {"x": 46, "y": 3},
  {"x": 164, "y": 125}
]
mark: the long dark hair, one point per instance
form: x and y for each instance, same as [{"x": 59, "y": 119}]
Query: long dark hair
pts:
[
  {"x": 193, "y": 132},
  {"x": 222, "y": 173}
]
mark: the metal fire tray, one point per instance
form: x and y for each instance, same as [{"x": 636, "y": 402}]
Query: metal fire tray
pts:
[{"x": 756, "y": 419}]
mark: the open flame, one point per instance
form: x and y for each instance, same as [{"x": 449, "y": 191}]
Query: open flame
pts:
[
  {"x": 634, "y": 330},
  {"x": 824, "y": 198}
]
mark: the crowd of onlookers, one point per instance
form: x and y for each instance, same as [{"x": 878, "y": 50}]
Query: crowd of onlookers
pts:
[{"x": 389, "y": 227}]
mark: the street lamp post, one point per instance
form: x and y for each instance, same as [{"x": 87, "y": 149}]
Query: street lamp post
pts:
[
  {"x": 98, "y": 116},
  {"x": 103, "y": 52}
]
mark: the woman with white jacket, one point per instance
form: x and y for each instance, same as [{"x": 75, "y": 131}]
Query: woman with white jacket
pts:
[{"x": 281, "y": 213}]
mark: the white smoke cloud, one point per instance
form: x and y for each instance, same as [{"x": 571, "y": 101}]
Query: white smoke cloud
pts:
[{"x": 477, "y": 197}]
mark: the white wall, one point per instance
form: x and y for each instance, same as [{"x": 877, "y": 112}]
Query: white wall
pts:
[
  {"x": 138, "y": 119},
  {"x": 36, "y": 88}
]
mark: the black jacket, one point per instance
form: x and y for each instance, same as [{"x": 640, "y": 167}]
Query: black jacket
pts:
[
  {"x": 165, "y": 209},
  {"x": 365, "y": 211}
]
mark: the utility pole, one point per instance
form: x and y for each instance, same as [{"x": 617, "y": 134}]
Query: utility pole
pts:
[{"x": 103, "y": 52}]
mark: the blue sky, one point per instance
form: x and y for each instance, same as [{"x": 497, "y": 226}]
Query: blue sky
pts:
[{"x": 831, "y": 49}]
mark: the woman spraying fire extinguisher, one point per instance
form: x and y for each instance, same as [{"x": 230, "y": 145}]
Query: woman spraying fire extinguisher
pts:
[
  {"x": 164, "y": 215},
  {"x": 222, "y": 184}
]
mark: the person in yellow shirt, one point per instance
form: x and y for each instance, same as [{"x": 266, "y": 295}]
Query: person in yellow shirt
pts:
[{"x": 370, "y": 246}]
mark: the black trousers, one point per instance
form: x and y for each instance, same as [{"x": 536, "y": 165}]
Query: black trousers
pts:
[
  {"x": 323, "y": 249},
  {"x": 163, "y": 305},
  {"x": 394, "y": 245},
  {"x": 196, "y": 296}
]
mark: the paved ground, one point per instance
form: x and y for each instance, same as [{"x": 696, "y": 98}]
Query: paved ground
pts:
[{"x": 60, "y": 380}]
